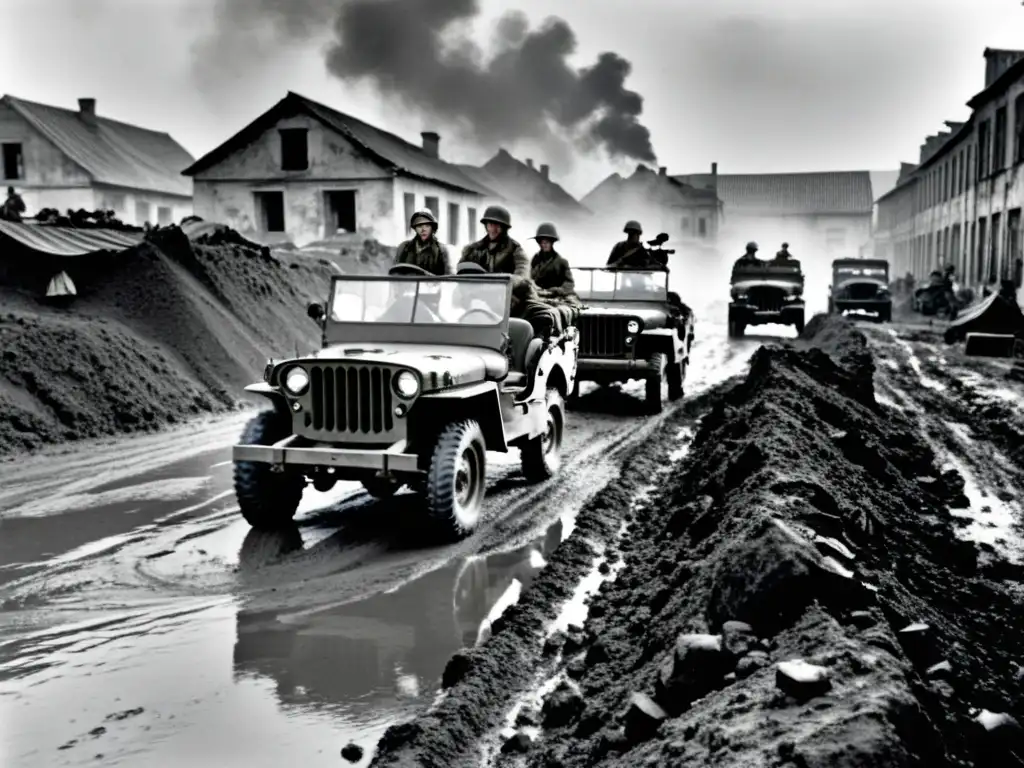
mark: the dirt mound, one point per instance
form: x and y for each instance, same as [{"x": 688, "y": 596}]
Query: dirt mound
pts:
[
  {"x": 159, "y": 332},
  {"x": 796, "y": 595}
]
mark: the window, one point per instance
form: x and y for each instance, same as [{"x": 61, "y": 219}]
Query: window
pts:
[
  {"x": 1015, "y": 263},
  {"x": 999, "y": 143},
  {"x": 979, "y": 262},
  {"x": 14, "y": 166},
  {"x": 982, "y": 157},
  {"x": 142, "y": 212},
  {"x": 963, "y": 171},
  {"x": 434, "y": 206},
  {"x": 470, "y": 224},
  {"x": 685, "y": 224},
  {"x": 270, "y": 211},
  {"x": 410, "y": 207},
  {"x": 341, "y": 211},
  {"x": 453, "y": 223},
  {"x": 294, "y": 149},
  {"x": 955, "y": 255},
  {"x": 164, "y": 215},
  {"x": 993, "y": 246},
  {"x": 1018, "y": 130},
  {"x": 835, "y": 238},
  {"x": 702, "y": 227}
]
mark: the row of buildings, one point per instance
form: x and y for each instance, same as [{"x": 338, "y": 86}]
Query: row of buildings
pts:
[
  {"x": 960, "y": 204},
  {"x": 303, "y": 173}
]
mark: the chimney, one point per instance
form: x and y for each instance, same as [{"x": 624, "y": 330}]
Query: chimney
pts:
[
  {"x": 545, "y": 171},
  {"x": 430, "y": 142},
  {"x": 714, "y": 176},
  {"x": 529, "y": 163},
  {"x": 997, "y": 61},
  {"x": 663, "y": 171},
  {"x": 87, "y": 110}
]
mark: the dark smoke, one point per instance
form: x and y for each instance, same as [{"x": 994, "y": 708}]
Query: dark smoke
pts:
[{"x": 410, "y": 50}]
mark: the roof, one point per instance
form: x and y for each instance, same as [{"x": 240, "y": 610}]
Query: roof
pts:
[
  {"x": 391, "y": 151},
  {"x": 69, "y": 241},
  {"x": 111, "y": 152},
  {"x": 667, "y": 190},
  {"x": 1000, "y": 85},
  {"x": 883, "y": 182},
  {"x": 828, "y": 192},
  {"x": 517, "y": 179}
]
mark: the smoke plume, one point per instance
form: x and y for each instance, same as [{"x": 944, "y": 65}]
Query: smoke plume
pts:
[{"x": 421, "y": 54}]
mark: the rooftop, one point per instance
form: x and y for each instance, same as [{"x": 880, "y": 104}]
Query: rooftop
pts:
[
  {"x": 524, "y": 184},
  {"x": 827, "y": 192}
]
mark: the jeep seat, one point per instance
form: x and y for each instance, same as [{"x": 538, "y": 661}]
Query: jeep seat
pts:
[{"x": 524, "y": 344}]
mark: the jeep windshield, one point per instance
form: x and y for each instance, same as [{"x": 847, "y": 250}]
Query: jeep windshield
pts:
[
  {"x": 452, "y": 301},
  {"x": 620, "y": 285},
  {"x": 850, "y": 271}
]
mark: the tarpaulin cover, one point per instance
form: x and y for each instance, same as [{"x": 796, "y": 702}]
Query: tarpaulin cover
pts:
[
  {"x": 69, "y": 241},
  {"x": 993, "y": 314}
]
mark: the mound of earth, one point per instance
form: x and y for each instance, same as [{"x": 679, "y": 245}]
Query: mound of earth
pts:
[
  {"x": 169, "y": 329},
  {"x": 794, "y": 595}
]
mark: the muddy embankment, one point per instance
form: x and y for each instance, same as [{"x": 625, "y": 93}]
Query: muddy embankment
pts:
[
  {"x": 793, "y": 594},
  {"x": 168, "y": 330}
]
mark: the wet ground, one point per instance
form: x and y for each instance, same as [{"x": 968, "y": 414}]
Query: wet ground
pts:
[{"x": 141, "y": 620}]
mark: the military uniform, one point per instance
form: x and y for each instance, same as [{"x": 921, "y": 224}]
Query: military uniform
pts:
[
  {"x": 503, "y": 255},
  {"x": 527, "y": 305},
  {"x": 432, "y": 255},
  {"x": 628, "y": 255},
  {"x": 553, "y": 275}
]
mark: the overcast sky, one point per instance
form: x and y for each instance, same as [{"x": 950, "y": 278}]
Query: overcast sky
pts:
[{"x": 755, "y": 85}]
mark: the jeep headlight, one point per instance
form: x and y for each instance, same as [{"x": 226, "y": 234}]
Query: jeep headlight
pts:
[
  {"x": 296, "y": 381},
  {"x": 739, "y": 294},
  {"x": 632, "y": 326},
  {"x": 407, "y": 384}
]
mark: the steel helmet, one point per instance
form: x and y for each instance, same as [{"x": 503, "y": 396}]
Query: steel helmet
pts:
[
  {"x": 751, "y": 246},
  {"x": 785, "y": 245},
  {"x": 424, "y": 216},
  {"x": 633, "y": 226},
  {"x": 496, "y": 214},
  {"x": 546, "y": 230}
]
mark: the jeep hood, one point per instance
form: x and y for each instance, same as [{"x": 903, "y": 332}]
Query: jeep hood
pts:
[
  {"x": 747, "y": 284},
  {"x": 652, "y": 316},
  {"x": 465, "y": 364}
]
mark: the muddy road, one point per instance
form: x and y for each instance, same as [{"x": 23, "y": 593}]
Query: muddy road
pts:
[{"x": 142, "y": 621}]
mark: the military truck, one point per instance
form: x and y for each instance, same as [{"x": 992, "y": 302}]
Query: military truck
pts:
[
  {"x": 417, "y": 378},
  {"x": 633, "y": 328},
  {"x": 860, "y": 285},
  {"x": 766, "y": 292}
]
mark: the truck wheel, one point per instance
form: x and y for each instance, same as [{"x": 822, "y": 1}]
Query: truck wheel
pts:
[
  {"x": 457, "y": 478},
  {"x": 268, "y": 500},
  {"x": 381, "y": 488},
  {"x": 885, "y": 316},
  {"x": 653, "y": 394},
  {"x": 676, "y": 377},
  {"x": 799, "y": 325},
  {"x": 542, "y": 456}
]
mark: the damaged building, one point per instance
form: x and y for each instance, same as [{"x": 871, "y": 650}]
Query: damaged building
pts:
[
  {"x": 662, "y": 203},
  {"x": 67, "y": 159},
  {"x": 824, "y": 215},
  {"x": 960, "y": 204},
  {"x": 302, "y": 172}
]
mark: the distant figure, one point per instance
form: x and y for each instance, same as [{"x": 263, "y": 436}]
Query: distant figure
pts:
[
  {"x": 13, "y": 206},
  {"x": 784, "y": 255}
]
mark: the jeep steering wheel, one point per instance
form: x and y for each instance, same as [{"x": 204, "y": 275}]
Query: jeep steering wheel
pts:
[{"x": 490, "y": 315}]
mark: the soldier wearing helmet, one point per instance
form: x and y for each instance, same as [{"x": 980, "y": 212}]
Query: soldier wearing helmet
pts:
[
  {"x": 425, "y": 250},
  {"x": 630, "y": 252},
  {"x": 553, "y": 276},
  {"x": 497, "y": 252},
  {"x": 784, "y": 255}
]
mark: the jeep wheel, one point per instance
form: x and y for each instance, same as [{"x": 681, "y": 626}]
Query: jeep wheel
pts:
[
  {"x": 457, "y": 478},
  {"x": 381, "y": 488},
  {"x": 268, "y": 500},
  {"x": 676, "y": 377},
  {"x": 653, "y": 395},
  {"x": 885, "y": 316},
  {"x": 542, "y": 456}
]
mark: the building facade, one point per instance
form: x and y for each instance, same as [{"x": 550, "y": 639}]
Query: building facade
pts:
[
  {"x": 62, "y": 158},
  {"x": 303, "y": 172},
  {"x": 961, "y": 204}
]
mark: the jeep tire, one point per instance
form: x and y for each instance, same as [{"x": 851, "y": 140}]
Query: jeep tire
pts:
[
  {"x": 676, "y": 374},
  {"x": 542, "y": 456},
  {"x": 267, "y": 499},
  {"x": 656, "y": 362},
  {"x": 885, "y": 316},
  {"x": 457, "y": 478}
]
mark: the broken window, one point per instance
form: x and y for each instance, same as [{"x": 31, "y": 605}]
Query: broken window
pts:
[
  {"x": 270, "y": 211},
  {"x": 999, "y": 142},
  {"x": 409, "y": 200},
  {"x": 702, "y": 227},
  {"x": 294, "y": 149},
  {"x": 433, "y": 206},
  {"x": 164, "y": 215},
  {"x": 14, "y": 167},
  {"x": 470, "y": 223},
  {"x": 142, "y": 212},
  {"x": 341, "y": 211},
  {"x": 453, "y": 223}
]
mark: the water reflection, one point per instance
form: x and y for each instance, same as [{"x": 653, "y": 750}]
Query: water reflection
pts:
[{"x": 376, "y": 659}]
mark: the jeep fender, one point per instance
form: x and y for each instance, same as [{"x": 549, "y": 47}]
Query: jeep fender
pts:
[
  {"x": 480, "y": 402},
  {"x": 274, "y": 395},
  {"x": 555, "y": 368}
]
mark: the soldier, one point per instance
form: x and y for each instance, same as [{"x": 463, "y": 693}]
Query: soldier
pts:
[
  {"x": 13, "y": 206},
  {"x": 784, "y": 254},
  {"x": 497, "y": 252},
  {"x": 425, "y": 250},
  {"x": 526, "y": 303},
  {"x": 630, "y": 252},
  {"x": 552, "y": 275},
  {"x": 748, "y": 258}
]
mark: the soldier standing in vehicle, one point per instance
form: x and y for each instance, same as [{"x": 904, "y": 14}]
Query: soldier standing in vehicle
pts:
[
  {"x": 552, "y": 274},
  {"x": 784, "y": 255},
  {"x": 630, "y": 251},
  {"x": 497, "y": 252},
  {"x": 748, "y": 258},
  {"x": 425, "y": 250}
]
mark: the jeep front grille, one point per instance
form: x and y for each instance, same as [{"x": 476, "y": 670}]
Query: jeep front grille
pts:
[
  {"x": 767, "y": 299},
  {"x": 603, "y": 336},
  {"x": 354, "y": 399},
  {"x": 860, "y": 291}
]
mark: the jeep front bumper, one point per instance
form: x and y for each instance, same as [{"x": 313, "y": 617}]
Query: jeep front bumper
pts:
[
  {"x": 751, "y": 315},
  {"x": 613, "y": 370},
  {"x": 342, "y": 458}
]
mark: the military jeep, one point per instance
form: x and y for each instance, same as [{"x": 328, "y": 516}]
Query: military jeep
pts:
[
  {"x": 860, "y": 285},
  {"x": 417, "y": 378},
  {"x": 766, "y": 292},
  {"x": 633, "y": 328}
]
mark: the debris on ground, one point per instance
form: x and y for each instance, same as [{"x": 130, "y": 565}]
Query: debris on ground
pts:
[
  {"x": 159, "y": 333},
  {"x": 793, "y": 594}
]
